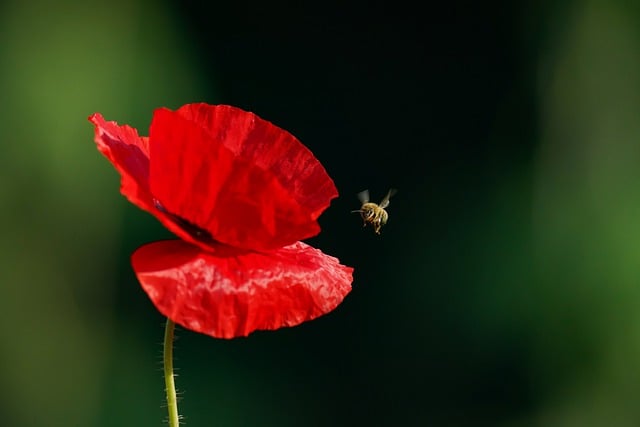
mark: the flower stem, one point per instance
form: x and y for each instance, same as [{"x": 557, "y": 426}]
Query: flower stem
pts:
[{"x": 170, "y": 385}]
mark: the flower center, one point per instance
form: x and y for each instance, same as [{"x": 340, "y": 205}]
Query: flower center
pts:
[{"x": 192, "y": 230}]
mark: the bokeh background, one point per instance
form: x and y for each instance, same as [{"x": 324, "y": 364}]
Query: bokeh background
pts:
[{"x": 505, "y": 290}]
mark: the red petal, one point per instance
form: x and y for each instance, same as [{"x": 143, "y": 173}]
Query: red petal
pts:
[
  {"x": 232, "y": 293},
  {"x": 129, "y": 154},
  {"x": 268, "y": 147},
  {"x": 245, "y": 181}
]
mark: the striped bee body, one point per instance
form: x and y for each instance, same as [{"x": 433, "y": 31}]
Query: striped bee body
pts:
[{"x": 372, "y": 213}]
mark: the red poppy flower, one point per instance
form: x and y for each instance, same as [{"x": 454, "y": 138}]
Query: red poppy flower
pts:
[{"x": 240, "y": 193}]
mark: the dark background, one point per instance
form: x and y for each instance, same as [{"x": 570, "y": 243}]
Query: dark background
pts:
[{"x": 503, "y": 291}]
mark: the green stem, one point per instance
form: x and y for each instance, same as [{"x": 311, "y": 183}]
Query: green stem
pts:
[{"x": 170, "y": 384}]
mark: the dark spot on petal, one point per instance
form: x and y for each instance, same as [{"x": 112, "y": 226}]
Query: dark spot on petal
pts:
[{"x": 193, "y": 230}]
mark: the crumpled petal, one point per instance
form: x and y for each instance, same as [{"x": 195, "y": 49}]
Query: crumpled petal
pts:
[
  {"x": 248, "y": 183},
  {"x": 217, "y": 173},
  {"x": 231, "y": 293},
  {"x": 129, "y": 154},
  {"x": 269, "y": 147}
]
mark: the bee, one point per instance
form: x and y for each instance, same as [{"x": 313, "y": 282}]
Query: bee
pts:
[{"x": 374, "y": 214}]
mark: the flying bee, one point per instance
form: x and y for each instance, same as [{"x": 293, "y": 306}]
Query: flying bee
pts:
[{"x": 372, "y": 213}]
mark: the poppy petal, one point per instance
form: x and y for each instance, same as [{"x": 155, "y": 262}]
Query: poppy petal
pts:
[
  {"x": 129, "y": 154},
  {"x": 270, "y": 148},
  {"x": 231, "y": 293},
  {"x": 248, "y": 183}
]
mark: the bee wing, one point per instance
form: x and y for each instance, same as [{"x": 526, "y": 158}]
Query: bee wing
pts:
[
  {"x": 385, "y": 202},
  {"x": 363, "y": 196}
]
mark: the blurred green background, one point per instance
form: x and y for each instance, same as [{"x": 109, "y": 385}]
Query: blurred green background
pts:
[{"x": 505, "y": 290}]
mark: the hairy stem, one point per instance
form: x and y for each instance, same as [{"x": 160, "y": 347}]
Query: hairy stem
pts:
[{"x": 170, "y": 384}]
